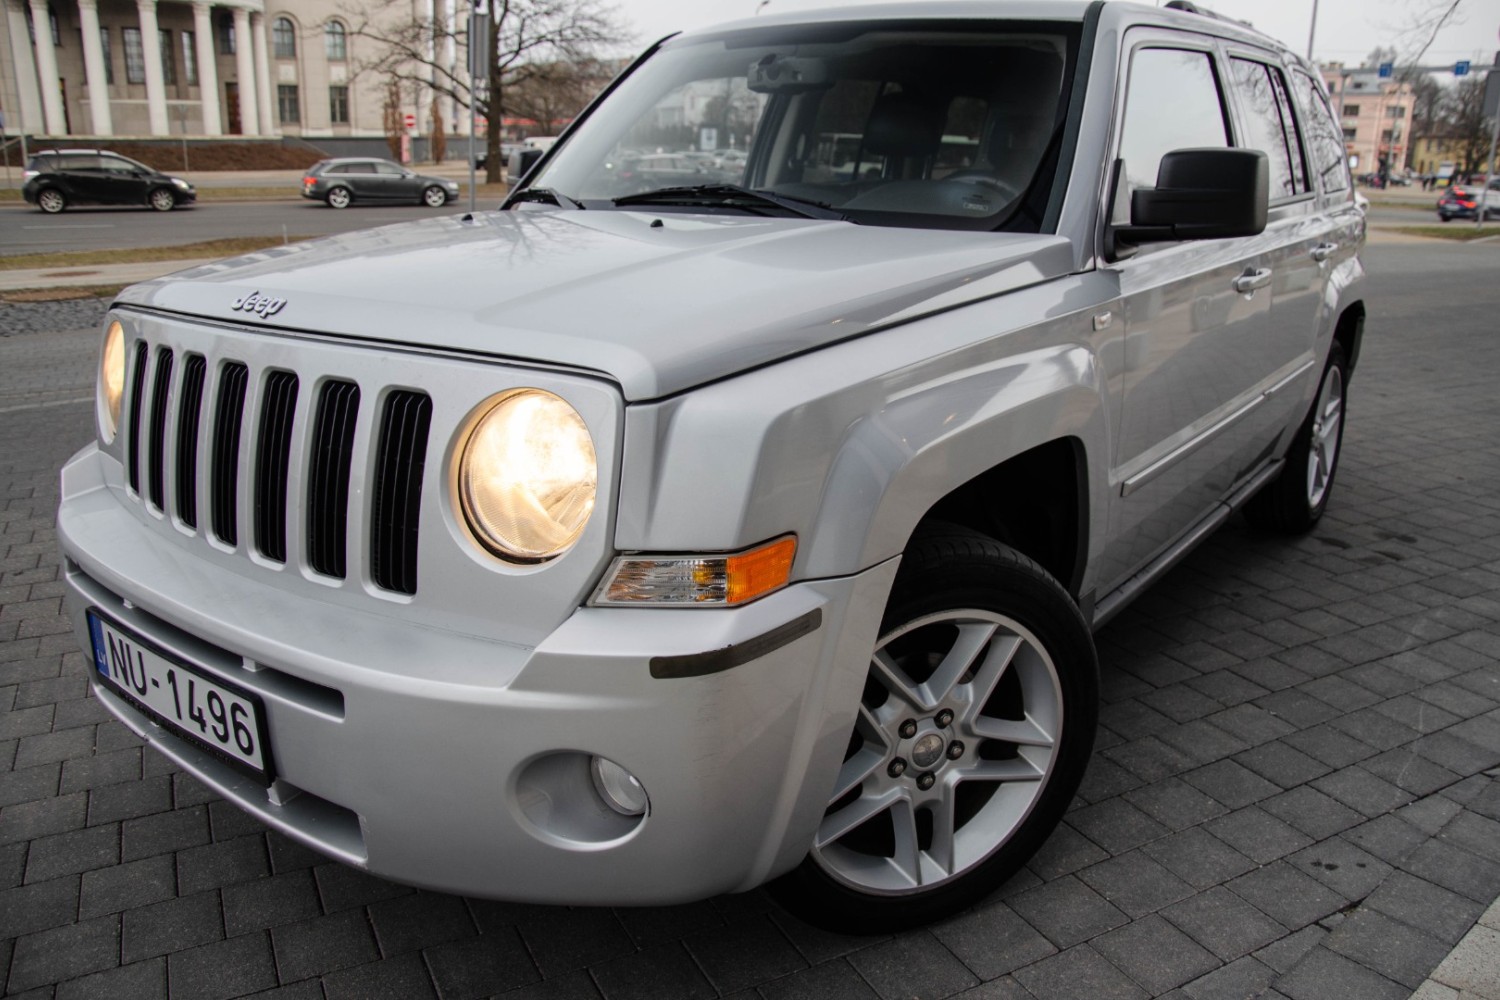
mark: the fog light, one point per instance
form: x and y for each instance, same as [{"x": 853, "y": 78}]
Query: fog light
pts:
[{"x": 617, "y": 787}]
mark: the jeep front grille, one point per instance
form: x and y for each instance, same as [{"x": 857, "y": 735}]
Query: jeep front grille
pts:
[{"x": 263, "y": 431}]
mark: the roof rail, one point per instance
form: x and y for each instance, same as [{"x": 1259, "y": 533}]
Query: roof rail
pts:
[{"x": 1188, "y": 7}]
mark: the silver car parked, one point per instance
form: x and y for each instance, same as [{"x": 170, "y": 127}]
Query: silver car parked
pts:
[{"x": 629, "y": 547}]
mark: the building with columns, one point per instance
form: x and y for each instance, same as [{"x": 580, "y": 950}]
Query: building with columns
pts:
[{"x": 158, "y": 68}]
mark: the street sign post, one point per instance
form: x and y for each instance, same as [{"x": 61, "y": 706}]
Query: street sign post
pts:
[
  {"x": 1461, "y": 68},
  {"x": 1387, "y": 70},
  {"x": 410, "y": 121}
]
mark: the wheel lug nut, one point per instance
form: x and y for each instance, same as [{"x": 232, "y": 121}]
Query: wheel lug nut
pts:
[
  {"x": 897, "y": 768},
  {"x": 944, "y": 717},
  {"x": 908, "y": 729},
  {"x": 955, "y": 750},
  {"x": 925, "y": 780}
]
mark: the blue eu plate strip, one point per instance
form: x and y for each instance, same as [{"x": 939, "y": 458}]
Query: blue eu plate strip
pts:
[{"x": 101, "y": 658}]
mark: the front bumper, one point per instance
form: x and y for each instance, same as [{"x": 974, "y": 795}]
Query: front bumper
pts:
[{"x": 458, "y": 762}]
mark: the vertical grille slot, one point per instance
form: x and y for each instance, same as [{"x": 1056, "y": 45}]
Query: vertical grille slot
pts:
[
  {"x": 398, "y": 490},
  {"x": 225, "y": 471},
  {"x": 188, "y": 415},
  {"x": 328, "y": 478},
  {"x": 137, "y": 391},
  {"x": 272, "y": 448},
  {"x": 156, "y": 446}
]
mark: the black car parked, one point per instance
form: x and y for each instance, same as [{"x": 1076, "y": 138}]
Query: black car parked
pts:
[
  {"x": 58, "y": 178},
  {"x": 343, "y": 181}
]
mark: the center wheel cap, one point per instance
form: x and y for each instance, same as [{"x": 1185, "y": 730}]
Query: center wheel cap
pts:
[{"x": 927, "y": 751}]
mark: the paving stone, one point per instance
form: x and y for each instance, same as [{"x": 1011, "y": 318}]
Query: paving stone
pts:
[
  {"x": 121, "y": 887},
  {"x": 269, "y": 902},
  {"x": 741, "y": 954},
  {"x": 1410, "y": 772},
  {"x": 31, "y": 820},
  {"x": 214, "y": 865},
  {"x": 1116, "y": 825},
  {"x": 1326, "y": 975},
  {"x": 1362, "y": 791},
  {"x": 37, "y": 907},
  {"x": 1313, "y": 813},
  {"x": 171, "y": 925},
  {"x": 1244, "y": 977},
  {"x": 1155, "y": 954},
  {"x": 817, "y": 945},
  {"x": 1067, "y": 911},
  {"x": 323, "y": 944},
  {"x": 1175, "y": 804},
  {"x": 1282, "y": 764},
  {"x": 1252, "y": 724},
  {"x": 1287, "y": 895},
  {"x": 341, "y": 887},
  {"x": 1064, "y": 852},
  {"x": 1149, "y": 759},
  {"x": 481, "y": 966},
  {"x": 1223, "y": 923},
  {"x": 141, "y": 981},
  {"x": 163, "y": 834},
  {"x": 1455, "y": 868},
  {"x": 1283, "y": 955},
  {"x": 112, "y": 803},
  {"x": 835, "y": 980},
  {"x": 49, "y": 747},
  {"x": 1430, "y": 814},
  {"x": 561, "y": 940},
  {"x": 70, "y": 853},
  {"x": 401, "y": 978},
  {"x": 227, "y": 821},
  {"x": 1298, "y": 707},
  {"x": 1078, "y": 972},
  {"x": 1457, "y": 755},
  {"x": 288, "y": 855},
  {"x": 1199, "y": 858},
  {"x": 1380, "y": 731},
  {"x": 1201, "y": 741},
  {"x": 1135, "y": 883},
  {"x": 63, "y": 953},
  {"x": 101, "y": 769},
  {"x": 229, "y": 968},
  {"x": 1230, "y": 783},
  {"x": 1257, "y": 834},
  {"x": 29, "y": 784},
  {"x": 1388, "y": 838},
  {"x": 1397, "y": 951},
  {"x": 420, "y": 920},
  {"x": 993, "y": 941},
  {"x": 1418, "y": 903},
  {"x": 1475, "y": 834},
  {"x": 1343, "y": 867}
]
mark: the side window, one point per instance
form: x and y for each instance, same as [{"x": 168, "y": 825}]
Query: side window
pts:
[
  {"x": 1295, "y": 144},
  {"x": 1325, "y": 147},
  {"x": 1184, "y": 81},
  {"x": 1264, "y": 128}
]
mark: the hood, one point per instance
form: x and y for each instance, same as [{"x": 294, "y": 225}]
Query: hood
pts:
[{"x": 657, "y": 302}]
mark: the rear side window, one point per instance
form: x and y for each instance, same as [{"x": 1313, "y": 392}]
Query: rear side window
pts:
[
  {"x": 1183, "y": 81},
  {"x": 1269, "y": 126},
  {"x": 78, "y": 161},
  {"x": 1325, "y": 144}
]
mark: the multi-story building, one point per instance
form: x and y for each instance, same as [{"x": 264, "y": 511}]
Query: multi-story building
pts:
[
  {"x": 153, "y": 68},
  {"x": 1375, "y": 113}
]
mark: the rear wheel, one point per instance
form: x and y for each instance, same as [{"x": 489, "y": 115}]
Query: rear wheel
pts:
[
  {"x": 51, "y": 201},
  {"x": 339, "y": 197},
  {"x": 163, "y": 200},
  {"x": 434, "y": 197},
  {"x": 973, "y": 731},
  {"x": 1295, "y": 500}
]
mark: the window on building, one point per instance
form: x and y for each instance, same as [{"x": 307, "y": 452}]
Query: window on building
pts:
[
  {"x": 1396, "y": 111},
  {"x": 226, "y": 34},
  {"x": 135, "y": 56},
  {"x": 52, "y": 19},
  {"x": 1350, "y": 134},
  {"x": 288, "y": 107},
  {"x": 1387, "y": 135},
  {"x": 109, "y": 62},
  {"x": 335, "y": 41},
  {"x": 338, "y": 105},
  {"x": 168, "y": 58},
  {"x": 1351, "y": 111},
  {"x": 190, "y": 58},
  {"x": 284, "y": 39}
]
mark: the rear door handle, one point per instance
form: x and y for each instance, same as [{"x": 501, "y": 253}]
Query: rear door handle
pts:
[
  {"x": 1251, "y": 280},
  {"x": 1323, "y": 251}
]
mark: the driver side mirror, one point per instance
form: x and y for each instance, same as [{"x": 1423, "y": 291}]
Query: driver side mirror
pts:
[{"x": 1200, "y": 194}]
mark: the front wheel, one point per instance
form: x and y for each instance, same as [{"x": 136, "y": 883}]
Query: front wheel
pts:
[
  {"x": 972, "y": 734},
  {"x": 51, "y": 201},
  {"x": 339, "y": 197},
  {"x": 434, "y": 197},
  {"x": 162, "y": 200},
  {"x": 1295, "y": 500}
]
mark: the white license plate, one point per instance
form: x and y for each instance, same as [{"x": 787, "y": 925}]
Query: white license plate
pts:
[{"x": 228, "y": 722}]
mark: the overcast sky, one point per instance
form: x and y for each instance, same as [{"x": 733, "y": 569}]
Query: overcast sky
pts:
[{"x": 1347, "y": 29}]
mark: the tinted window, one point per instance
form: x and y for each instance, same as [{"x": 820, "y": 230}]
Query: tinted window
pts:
[
  {"x": 1325, "y": 147},
  {"x": 1176, "y": 79},
  {"x": 388, "y": 168},
  {"x": 78, "y": 161},
  {"x": 1263, "y": 126}
]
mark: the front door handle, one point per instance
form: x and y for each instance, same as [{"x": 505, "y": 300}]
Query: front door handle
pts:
[
  {"x": 1253, "y": 279},
  {"x": 1323, "y": 251}
]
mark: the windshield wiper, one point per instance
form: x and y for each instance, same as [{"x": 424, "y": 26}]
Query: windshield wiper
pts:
[
  {"x": 547, "y": 196},
  {"x": 731, "y": 196}
]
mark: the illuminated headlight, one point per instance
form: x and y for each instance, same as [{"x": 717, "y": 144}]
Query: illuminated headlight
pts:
[
  {"x": 111, "y": 380},
  {"x": 527, "y": 477},
  {"x": 182, "y": 183}
]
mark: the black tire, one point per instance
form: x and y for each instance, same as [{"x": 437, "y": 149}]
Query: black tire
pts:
[
  {"x": 162, "y": 199},
  {"x": 1026, "y": 667},
  {"x": 434, "y": 196},
  {"x": 339, "y": 197},
  {"x": 1295, "y": 500},
  {"x": 51, "y": 200}
]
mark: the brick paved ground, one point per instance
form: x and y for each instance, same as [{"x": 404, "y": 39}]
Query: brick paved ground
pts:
[{"x": 1294, "y": 793}]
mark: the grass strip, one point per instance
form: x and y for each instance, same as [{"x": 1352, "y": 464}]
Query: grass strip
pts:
[
  {"x": 61, "y": 294},
  {"x": 208, "y": 249},
  {"x": 1459, "y": 230}
]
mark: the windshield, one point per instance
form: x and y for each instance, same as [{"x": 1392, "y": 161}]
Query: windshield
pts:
[{"x": 930, "y": 124}]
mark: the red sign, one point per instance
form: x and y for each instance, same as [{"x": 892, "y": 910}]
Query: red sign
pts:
[{"x": 411, "y": 121}]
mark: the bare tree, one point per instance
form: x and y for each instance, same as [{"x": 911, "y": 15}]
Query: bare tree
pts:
[
  {"x": 526, "y": 37},
  {"x": 391, "y": 118},
  {"x": 1468, "y": 126},
  {"x": 438, "y": 137},
  {"x": 556, "y": 92}
]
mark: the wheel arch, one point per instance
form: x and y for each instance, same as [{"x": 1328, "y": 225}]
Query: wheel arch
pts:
[{"x": 1350, "y": 332}]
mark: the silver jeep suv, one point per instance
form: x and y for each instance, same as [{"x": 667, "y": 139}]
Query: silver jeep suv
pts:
[{"x": 632, "y": 544}]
